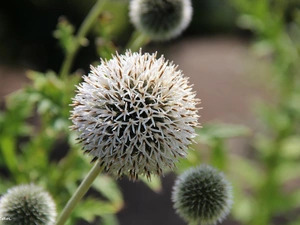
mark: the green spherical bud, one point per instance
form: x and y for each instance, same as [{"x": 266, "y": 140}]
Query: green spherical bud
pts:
[
  {"x": 202, "y": 195},
  {"x": 27, "y": 205},
  {"x": 161, "y": 19}
]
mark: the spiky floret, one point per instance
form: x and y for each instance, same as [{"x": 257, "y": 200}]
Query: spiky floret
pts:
[
  {"x": 135, "y": 114},
  {"x": 161, "y": 19},
  {"x": 27, "y": 205},
  {"x": 202, "y": 195}
]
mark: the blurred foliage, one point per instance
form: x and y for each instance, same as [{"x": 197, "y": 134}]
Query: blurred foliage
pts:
[
  {"x": 273, "y": 24},
  {"x": 29, "y": 149},
  {"x": 37, "y": 146},
  {"x": 266, "y": 180}
]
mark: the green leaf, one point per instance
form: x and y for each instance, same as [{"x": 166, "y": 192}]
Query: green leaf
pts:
[
  {"x": 247, "y": 172},
  {"x": 105, "y": 48},
  {"x": 293, "y": 102},
  {"x": 109, "y": 219},
  {"x": 39, "y": 79},
  {"x": 154, "y": 184},
  {"x": 223, "y": 131},
  {"x": 109, "y": 188},
  {"x": 65, "y": 34},
  {"x": 287, "y": 171},
  {"x": 5, "y": 185},
  {"x": 90, "y": 208},
  {"x": 8, "y": 150},
  {"x": 250, "y": 22},
  {"x": 274, "y": 117},
  {"x": 48, "y": 92},
  {"x": 192, "y": 159},
  {"x": 244, "y": 204},
  {"x": 295, "y": 198},
  {"x": 46, "y": 106},
  {"x": 61, "y": 124},
  {"x": 290, "y": 147}
]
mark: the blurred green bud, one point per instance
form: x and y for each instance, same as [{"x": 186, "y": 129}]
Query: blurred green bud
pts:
[
  {"x": 202, "y": 195},
  {"x": 27, "y": 205},
  {"x": 161, "y": 19}
]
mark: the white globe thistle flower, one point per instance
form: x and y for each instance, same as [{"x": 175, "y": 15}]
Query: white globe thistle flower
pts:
[
  {"x": 202, "y": 195},
  {"x": 135, "y": 114},
  {"x": 27, "y": 205},
  {"x": 161, "y": 19}
]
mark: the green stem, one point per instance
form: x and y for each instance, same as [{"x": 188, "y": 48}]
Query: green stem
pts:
[
  {"x": 80, "y": 192},
  {"x": 137, "y": 41},
  {"x": 82, "y": 32}
]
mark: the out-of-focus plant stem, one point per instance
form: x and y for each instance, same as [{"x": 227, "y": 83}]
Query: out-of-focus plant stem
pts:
[
  {"x": 219, "y": 157},
  {"x": 82, "y": 32},
  {"x": 137, "y": 41}
]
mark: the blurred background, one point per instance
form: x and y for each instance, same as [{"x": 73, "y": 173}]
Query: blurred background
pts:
[{"x": 228, "y": 55}]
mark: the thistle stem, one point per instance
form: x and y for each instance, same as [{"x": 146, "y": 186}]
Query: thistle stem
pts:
[
  {"x": 80, "y": 192},
  {"x": 137, "y": 41},
  {"x": 82, "y": 32}
]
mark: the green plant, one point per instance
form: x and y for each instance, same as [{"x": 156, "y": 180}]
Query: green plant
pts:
[{"x": 37, "y": 146}]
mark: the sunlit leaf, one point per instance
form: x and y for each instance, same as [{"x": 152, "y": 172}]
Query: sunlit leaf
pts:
[{"x": 154, "y": 184}]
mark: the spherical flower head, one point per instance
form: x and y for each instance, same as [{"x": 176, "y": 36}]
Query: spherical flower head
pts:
[
  {"x": 27, "y": 205},
  {"x": 161, "y": 19},
  {"x": 135, "y": 114},
  {"x": 202, "y": 195}
]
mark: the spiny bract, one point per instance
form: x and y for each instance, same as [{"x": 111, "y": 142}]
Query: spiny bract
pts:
[{"x": 135, "y": 114}]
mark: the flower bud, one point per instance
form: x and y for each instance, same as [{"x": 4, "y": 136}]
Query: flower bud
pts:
[
  {"x": 161, "y": 19},
  {"x": 27, "y": 205},
  {"x": 202, "y": 195}
]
